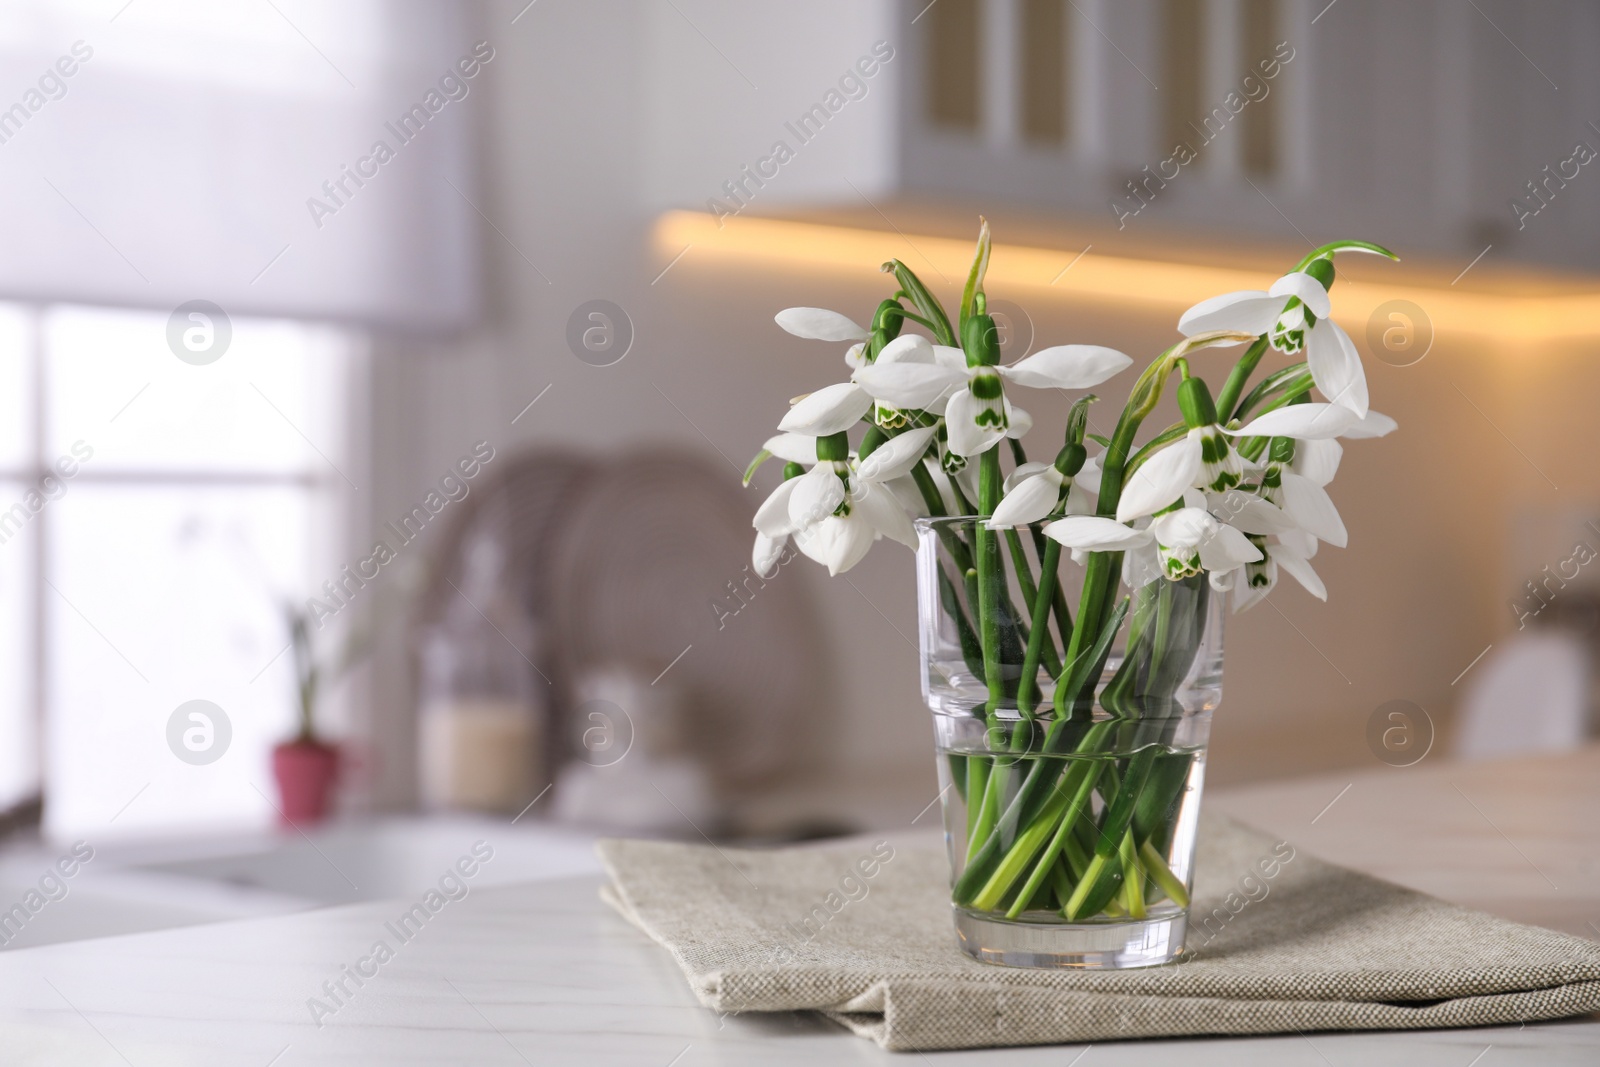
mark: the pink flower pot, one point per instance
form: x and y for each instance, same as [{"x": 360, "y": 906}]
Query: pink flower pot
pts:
[{"x": 306, "y": 772}]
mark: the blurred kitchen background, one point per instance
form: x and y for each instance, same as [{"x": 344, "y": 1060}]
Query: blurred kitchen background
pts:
[{"x": 446, "y": 329}]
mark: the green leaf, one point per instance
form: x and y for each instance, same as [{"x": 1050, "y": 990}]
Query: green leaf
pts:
[
  {"x": 980, "y": 265},
  {"x": 1079, "y": 671},
  {"x": 924, "y": 300},
  {"x": 755, "y": 465}
]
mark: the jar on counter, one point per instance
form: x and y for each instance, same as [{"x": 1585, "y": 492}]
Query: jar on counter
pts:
[{"x": 481, "y": 728}]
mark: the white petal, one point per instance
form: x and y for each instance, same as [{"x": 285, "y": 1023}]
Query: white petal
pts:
[
  {"x": 817, "y": 494},
  {"x": 1018, "y": 422},
  {"x": 1319, "y": 460},
  {"x": 1082, "y": 500},
  {"x": 830, "y": 409},
  {"x": 845, "y": 541},
  {"x": 952, "y": 358},
  {"x": 967, "y": 479},
  {"x": 1092, "y": 533},
  {"x": 1305, "y": 422},
  {"x": 1032, "y": 500},
  {"x": 1141, "y": 565},
  {"x": 764, "y": 557},
  {"x": 896, "y": 456},
  {"x": 908, "y": 385},
  {"x": 1299, "y": 542},
  {"x": 793, "y": 448},
  {"x": 1249, "y": 513},
  {"x": 1088, "y": 475},
  {"x": 819, "y": 324},
  {"x": 1160, "y": 480},
  {"x": 772, "y": 517},
  {"x": 1374, "y": 425},
  {"x": 1336, "y": 366},
  {"x": 812, "y": 542},
  {"x": 1227, "y": 549},
  {"x": 1249, "y": 311},
  {"x": 1308, "y": 289},
  {"x": 855, "y": 356},
  {"x": 1303, "y": 573},
  {"x": 1027, "y": 470},
  {"x": 963, "y": 434},
  {"x": 1185, "y": 528},
  {"x": 907, "y": 348},
  {"x": 1067, "y": 367},
  {"x": 947, "y": 494},
  {"x": 1309, "y": 505},
  {"x": 910, "y": 497},
  {"x": 878, "y": 506}
]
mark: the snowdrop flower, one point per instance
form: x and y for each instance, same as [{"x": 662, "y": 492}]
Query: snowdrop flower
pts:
[
  {"x": 837, "y": 509},
  {"x": 1289, "y": 552},
  {"x": 1176, "y": 544},
  {"x": 1306, "y": 503},
  {"x": 976, "y": 411},
  {"x": 835, "y": 408},
  {"x": 1035, "y": 491},
  {"x": 1203, "y": 459},
  {"x": 1293, "y": 314}
]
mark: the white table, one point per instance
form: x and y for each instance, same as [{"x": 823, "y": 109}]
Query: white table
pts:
[{"x": 545, "y": 974}]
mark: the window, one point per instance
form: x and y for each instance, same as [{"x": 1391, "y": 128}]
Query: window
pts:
[
  {"x": 1045, "y": 47},
  {"x": 154, "y": 514},
  {"x": 1183, "y": 52},
  {"x": 953, "y": 68},
  {"x": 1259, "y": 38}
]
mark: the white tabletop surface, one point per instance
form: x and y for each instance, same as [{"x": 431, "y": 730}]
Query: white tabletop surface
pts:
[{"x": 546, "y": 974}]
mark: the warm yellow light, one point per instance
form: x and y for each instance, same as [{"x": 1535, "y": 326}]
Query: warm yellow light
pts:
[{"x": 1512, "y": 317}]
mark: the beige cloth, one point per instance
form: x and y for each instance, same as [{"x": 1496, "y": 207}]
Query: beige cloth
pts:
[{"x": 1310, "y": 947}]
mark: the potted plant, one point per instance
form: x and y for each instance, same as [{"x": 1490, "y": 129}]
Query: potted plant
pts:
[
  {"x": 307, "y": 766},
  {"x": 1071, "y": 610}
]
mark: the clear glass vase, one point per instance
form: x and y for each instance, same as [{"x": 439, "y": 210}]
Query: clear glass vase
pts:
[{"x": 1070, "y": 762}]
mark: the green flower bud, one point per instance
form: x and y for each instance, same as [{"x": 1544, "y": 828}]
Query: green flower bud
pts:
[
  {"x": 1194, "y": 400},
  {"x": 1322, "y": 271},
  {"x": 1070, "y": 460},
  {"x": 835, "y": 446},
  {"x": 980, "y": 339}
]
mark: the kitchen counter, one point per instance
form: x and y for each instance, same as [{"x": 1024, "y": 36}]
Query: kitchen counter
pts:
[{"x": 544, "y": 973}]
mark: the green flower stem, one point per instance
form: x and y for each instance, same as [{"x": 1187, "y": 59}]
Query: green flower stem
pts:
[
  {"x": 1239, "y": 377},
  {"x": 1086, "y": 884},
  {"x": 1021, "y": 810},
  {"x": 1265, "y": 388},
  {"x": 977, "y": 798},
  {"x": 1329, "y": 249},
  {"x": 1119, "y": 813},
  {"x": 1061, "y": 879},
  {"x": 1063, "y": 829},
  {"x": 1160, "y": 635},
  {"x": 1037, "y": 599},
  {"x": 1026, "y": 847},
  {"x": 1132, "y": 877},
  {"x": 971, "y": 650},
  {"x": 990, "y": 578},
  {"x": 1162, "y": 875},
  {"x": 1039, "y": 635},
  {"x": 1102, "y": 571}
]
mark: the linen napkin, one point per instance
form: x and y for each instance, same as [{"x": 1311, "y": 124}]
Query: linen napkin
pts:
[{"x": 1278, "y": 942}]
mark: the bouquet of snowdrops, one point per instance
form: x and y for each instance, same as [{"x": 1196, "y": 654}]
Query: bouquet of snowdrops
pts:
[{"x": 1067, "y": 756}]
